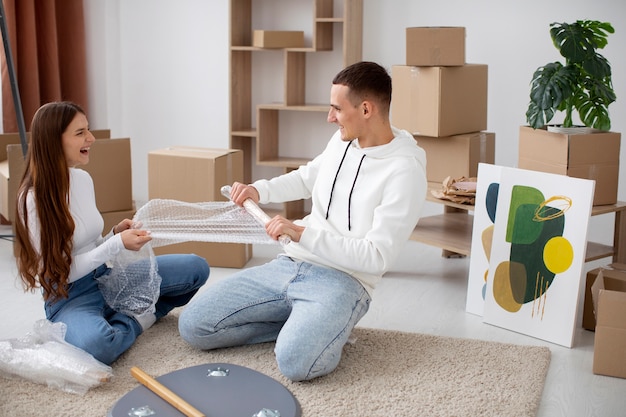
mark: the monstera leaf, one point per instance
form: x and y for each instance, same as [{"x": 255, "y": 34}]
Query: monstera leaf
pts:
[{"x": 582, "y": 84}]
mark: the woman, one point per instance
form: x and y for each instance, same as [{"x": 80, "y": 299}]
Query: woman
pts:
[{"x": 60, "y": 245}]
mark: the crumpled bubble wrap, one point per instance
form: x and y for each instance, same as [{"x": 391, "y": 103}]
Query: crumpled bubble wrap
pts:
[
  {"x": 44, "y": 357},
  {"x": 133, "y": 284}
]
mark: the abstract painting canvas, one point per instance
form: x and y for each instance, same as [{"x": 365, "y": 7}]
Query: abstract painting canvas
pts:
[
  {"x": 538, "y": 253},
  {"x": 488, "y": 178}
]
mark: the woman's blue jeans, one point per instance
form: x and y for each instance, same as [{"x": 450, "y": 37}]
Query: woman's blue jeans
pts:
[
  {"x": 309, "y": 310},
  {"x": 105, "y": 333}
]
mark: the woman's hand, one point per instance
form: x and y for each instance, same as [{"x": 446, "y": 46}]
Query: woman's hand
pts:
[
  {"x": 123, "y": 225},
  {"x": 134, "y": 239}
]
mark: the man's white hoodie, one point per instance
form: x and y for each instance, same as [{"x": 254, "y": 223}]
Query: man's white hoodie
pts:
[{"x": 365, "y": 204}]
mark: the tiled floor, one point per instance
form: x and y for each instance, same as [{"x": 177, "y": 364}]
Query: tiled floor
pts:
[{"x": 424, "y": 293}]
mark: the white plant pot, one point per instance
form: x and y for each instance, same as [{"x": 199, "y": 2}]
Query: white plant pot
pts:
[{"x": 574, "y": 130}]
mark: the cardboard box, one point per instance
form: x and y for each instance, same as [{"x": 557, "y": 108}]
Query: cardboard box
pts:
[
  {"x": 439, "y": 101},
  {"x": 457, "y": 156},
  {"x": 614, "y": 279},
  {"x": 435, "y": 46},
  {"x": 4, "y": 191},
  {"x": 278, "y": 39},
  {"x": 593, "y": 156},
  {"x": 16, "y": 166},
  {"x": 609, "y": 349},
  {"x": 12, "y": 169},
  {"x": 193, "y": 174},
  {"x": 110, "y": 168},
  {"x": 197, "y": 175},
  {"x": 224, "y": 255},
  {"x": 7, "y": 202}
]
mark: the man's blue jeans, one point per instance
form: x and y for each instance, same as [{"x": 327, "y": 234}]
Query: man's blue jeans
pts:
[
  {"x": 309, "y": 310},
  {"x": 96, "y": 328}
]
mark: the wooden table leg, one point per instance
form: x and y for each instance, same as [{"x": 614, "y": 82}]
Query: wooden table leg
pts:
[
  {"x": 619, "y": 235},
  {"x": 446, "y": 253}
]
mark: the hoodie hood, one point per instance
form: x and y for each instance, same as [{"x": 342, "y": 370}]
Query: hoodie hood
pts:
[{"x": 403, "y": 144}]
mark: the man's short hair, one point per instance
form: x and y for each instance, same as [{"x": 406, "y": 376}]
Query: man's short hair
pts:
[{"x": 366, "y": 81}]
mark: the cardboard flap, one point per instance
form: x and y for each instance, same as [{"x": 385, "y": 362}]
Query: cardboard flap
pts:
[
  {"x": 598, "y": 285},
  {"x": 611, "y": 309}
]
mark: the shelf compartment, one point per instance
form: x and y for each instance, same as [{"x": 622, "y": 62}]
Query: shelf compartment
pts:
[
  {"x": 323, "y": 25},
  {"x": 268, "y": 134}
]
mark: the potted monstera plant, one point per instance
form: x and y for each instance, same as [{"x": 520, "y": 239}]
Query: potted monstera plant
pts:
[
  {"x": 582, "y": 86},
  {"x": 582, "y": 83}
]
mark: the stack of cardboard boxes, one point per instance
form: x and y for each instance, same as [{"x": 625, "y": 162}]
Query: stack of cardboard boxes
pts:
[{"x": 442, "y": 101}]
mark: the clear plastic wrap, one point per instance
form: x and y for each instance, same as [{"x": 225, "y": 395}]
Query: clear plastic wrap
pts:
[
  {"x": 44, "y": 357},
  {"x": 173, "y": 221}
]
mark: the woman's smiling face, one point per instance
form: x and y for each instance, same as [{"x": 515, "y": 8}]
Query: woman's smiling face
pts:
[{"x": 77, "y": 140}]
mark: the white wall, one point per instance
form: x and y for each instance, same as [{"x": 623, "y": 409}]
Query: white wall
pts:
[
  {"x": 159, "y": 69},
  {"x": 159, "y": 75}
]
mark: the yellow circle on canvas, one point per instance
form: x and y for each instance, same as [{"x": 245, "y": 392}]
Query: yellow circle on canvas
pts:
[{"x": 558, "y": 254}]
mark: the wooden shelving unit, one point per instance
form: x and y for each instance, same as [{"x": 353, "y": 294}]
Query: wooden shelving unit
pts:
[
  {"x": 260, "y": 125},
  {"x": 452, "y": 230}
]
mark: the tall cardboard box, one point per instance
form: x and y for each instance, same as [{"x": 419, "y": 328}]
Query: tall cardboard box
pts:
[
  {"x": 435, "y": 46},
  {"x": 439, "y": 101},
  {"x": 593, "y": 156},
  {"x": 457, "y": 156},
  {"x": 196, "y": 175}
]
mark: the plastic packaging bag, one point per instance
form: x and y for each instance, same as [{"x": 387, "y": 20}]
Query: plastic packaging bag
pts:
[{"x": 44, "y": 357}]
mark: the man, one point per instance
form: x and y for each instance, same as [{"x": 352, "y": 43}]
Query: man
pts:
[{"x": 367, "y": 189}]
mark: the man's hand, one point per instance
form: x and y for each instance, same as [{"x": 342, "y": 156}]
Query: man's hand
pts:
[
  {"x": 241, "y": 192},
  {"x": 279, "y": 225}
]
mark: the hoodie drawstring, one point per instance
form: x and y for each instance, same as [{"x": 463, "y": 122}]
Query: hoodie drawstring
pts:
[
  {"x": 330, "y": 199},
  {"x": 352, "y": 189}
]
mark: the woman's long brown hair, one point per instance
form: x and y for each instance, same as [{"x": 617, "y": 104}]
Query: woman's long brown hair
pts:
[{"x": 47, "y": 175}]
